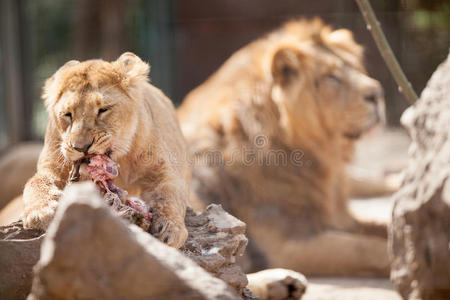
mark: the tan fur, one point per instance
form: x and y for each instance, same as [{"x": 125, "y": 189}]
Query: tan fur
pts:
[
  {"x": 272, "y": 284},
  {"x": 283, "y": 113},
  {"x": 139, "y": 127}
]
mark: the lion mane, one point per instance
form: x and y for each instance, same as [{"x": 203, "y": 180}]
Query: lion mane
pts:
[{"x": 284, "y": 113}]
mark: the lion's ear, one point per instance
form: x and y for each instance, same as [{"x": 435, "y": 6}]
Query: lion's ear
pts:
[
  {"x": 285, "y": 65},
  {"x": 50, "y": 89},
  {"x": 132, "y": 67},
  {"x": 343, "y": 38},
  {"x": 70, "y": 63}
]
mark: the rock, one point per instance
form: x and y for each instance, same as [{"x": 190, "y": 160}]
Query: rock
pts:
[
  {"x": 215, "y": 239},
  {"x": 91, "y": 254},
  {"x": 19, "y": 252},
  {"x": 420, "y": 230}
]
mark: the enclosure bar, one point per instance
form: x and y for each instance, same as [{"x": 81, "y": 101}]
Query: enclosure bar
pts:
[
  {"x": 18, "y": 105},
  {"x": 404, "y": 86}
]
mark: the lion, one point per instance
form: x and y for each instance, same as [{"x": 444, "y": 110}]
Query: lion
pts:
[
  {"x": 271, "y": 133},
  {"x": 111, "y": 108}
]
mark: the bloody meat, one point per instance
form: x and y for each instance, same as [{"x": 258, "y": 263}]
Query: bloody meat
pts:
[{"x": 102, "y": 171}]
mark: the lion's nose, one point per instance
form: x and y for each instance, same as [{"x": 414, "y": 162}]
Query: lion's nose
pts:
[{"x": 82, "y": 148}]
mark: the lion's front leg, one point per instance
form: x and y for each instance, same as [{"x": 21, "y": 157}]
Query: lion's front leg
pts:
[
  {"x": 167, "y": 203},
  {"x": 40, "y": 198}
]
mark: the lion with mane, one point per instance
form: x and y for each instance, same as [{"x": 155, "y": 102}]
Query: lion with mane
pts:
[{"x": 284, "y": 113}]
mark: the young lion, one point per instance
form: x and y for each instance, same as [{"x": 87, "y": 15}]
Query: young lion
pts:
[
  {"x": 110, "y": 108},
  {"x": 284, "y": 113}
]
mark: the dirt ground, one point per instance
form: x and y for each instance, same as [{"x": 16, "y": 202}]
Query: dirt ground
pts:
[
  {"x": 350, "y": 289},
  {"x": 385, "y": 151},
  {"x": 381, "y": 151}
]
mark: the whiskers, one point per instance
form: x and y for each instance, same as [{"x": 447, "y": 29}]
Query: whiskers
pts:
[
  {"x": 120, "y": 148},
  {"x": 60, "y": 158},
  {"x": 66, "y": 153},
  {"x": 101, "y": 144}
]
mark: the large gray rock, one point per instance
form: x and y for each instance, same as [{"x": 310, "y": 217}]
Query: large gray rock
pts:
[
  {"x": 90, "y": 254},
  {"x": 420, "y": 230}
]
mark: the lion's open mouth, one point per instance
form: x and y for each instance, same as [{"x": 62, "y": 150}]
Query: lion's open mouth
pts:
[{"x": 75, "y": 173}]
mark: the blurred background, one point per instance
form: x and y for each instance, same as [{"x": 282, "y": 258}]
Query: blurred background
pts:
[{"x": 185, "y": 41}]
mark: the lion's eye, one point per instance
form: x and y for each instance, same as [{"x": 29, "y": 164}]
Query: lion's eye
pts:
[
  {"x": 334, "y": 77},
  {"x": 68, "y": 115},
  {"x": 102, "y": 110}
]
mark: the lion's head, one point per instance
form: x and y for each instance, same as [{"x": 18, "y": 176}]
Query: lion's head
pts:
[
  {"x": 303, "y": 83},
  {"x": 320, "y": 83},
  {"x": 93, "y": 105}
]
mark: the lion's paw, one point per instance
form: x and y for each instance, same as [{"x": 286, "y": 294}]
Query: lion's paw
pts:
[
  {"x": 277, "y": 284},
  {"x": 172, "y": 233},
  {"x": 40, "y": 218}
]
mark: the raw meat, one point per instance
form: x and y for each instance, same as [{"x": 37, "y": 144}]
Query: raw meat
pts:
[{"x": 102, "y": 171}]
